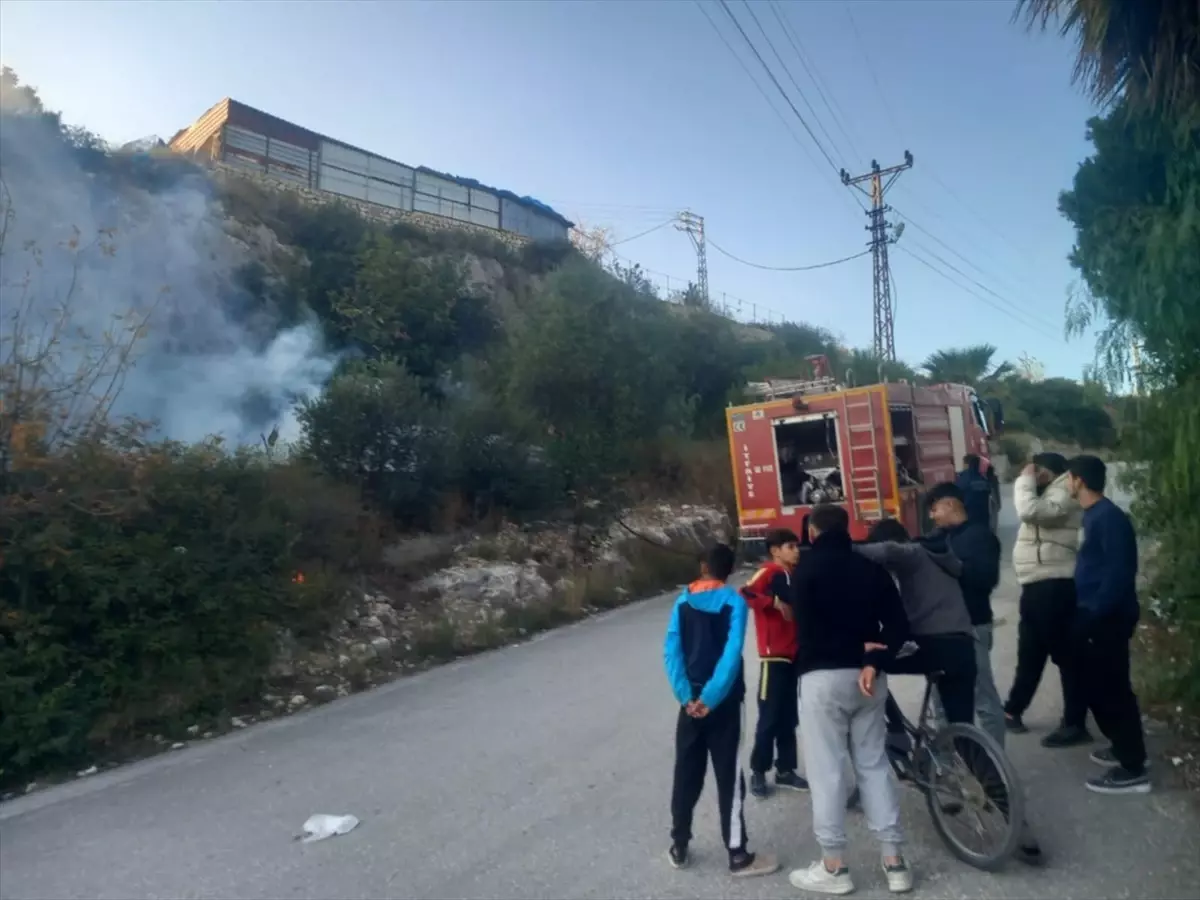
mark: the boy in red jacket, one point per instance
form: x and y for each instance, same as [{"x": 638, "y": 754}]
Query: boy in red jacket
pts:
[{"x": 769, "y": 595}]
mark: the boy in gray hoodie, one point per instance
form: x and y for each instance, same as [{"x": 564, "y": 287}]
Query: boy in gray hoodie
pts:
[{"x": 937, "y": 616}]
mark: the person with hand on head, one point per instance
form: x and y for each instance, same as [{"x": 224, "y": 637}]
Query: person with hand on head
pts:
[
  {"x": 1106, "y": 616},
  {"x": 978, "y": 490},
  {"x": 843, "y": 603},
  {"x": 703, "y": 657},
  {"x": 769, "y": 595},
  {"x": 977, "y": 550},
  {"x": 1044, "y": 559}
]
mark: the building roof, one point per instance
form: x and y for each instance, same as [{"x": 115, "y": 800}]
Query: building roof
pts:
[{"x": 526, "y": 201}]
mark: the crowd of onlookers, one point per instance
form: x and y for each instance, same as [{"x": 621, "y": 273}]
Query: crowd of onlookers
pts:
[{"x": 835, "y": 622}]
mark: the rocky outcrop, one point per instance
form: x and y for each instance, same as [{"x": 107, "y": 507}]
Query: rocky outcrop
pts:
[{"x": 496, "y": 589}]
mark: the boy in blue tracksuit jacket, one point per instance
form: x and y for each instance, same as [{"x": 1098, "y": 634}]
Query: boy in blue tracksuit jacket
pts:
[{"x": 703, "y": 657}]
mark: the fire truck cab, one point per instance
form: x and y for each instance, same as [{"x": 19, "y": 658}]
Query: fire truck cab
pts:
[{"x": 874, "y": 450}]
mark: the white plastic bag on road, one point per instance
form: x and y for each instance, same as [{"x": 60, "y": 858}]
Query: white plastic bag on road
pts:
[{"x": 321, "y": 826}]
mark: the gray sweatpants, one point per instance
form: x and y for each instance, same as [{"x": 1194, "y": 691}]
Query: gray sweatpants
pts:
[
  {"x": 833, "y": 709},
  {"x": 989, "y": 707}
]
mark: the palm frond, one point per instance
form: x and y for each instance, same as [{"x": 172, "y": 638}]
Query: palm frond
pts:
[{"x": 1146, "y": 50}]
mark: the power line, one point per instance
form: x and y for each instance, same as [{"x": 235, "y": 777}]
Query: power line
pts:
[
  {"x": 762, "y": 92},
  {"x": 642, "y": 234},
  {"x": 862, "y": 46},
  {"x": 809, "y": 268},
  {"x": 814, "y": 75},
  {"x": 762, "y": 62},
  {"x": 984, "y": 287},
  {"x": 791, "y": 78},
  {"x": 917, "y": 225},
  {"x": 977, "y": 296}
]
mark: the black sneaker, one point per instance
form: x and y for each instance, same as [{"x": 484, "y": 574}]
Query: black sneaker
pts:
[
  {"x": 1066, "y": 736},
  {"x": 678, "y": 856},
  {"x": 854, "y": 801},
  {"x": 1107, "y": 758},
  {"x": 1119, "y": 780},
  {"x": 1014, "y": 724},
  {"x": 758, "y": 785},
  {"x": 791, "y": 781}
]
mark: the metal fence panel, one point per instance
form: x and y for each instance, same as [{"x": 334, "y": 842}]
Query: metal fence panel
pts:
[
  {"x": 389, "y": 194},
  {"x": 248, "y": 141},
  {"x": 485, "y": 200},
  {"x": 344, "y": 158},
  {"x": 347, "y": 184},
  {"x": 386, "y": 170},
  {"x": 485, "y": 217}
]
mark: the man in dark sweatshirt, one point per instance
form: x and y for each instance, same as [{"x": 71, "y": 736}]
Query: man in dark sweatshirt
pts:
[
  {"x": 937, "y": 617},
  {"x": 845, "y": 602},
  {"x": 979, "y": 550},
  {"x": 1105, "y": 619}
]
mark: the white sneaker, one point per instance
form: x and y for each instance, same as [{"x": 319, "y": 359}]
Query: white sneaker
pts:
[
  {"x": 899, "y": 878},
  {"x": 820, "y": 880}
]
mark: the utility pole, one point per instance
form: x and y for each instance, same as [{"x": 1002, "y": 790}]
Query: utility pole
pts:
[
  {"x": 693, "y": 225},
  {"x": 880, "y": 180}
]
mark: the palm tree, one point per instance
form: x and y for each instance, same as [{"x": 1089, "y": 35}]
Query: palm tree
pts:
[
  {"x": 1145, "y": 50},
  {"x": 865, "y": 368},
  {"x": 966, "y": 365}
]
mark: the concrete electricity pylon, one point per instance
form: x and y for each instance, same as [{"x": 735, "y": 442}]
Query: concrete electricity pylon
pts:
[
  {"x": 879, "y": 180},
  {"x": 693, "y": 225}
]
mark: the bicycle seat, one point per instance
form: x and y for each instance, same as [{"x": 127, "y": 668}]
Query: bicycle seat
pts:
[{"x": 934, "y": 676}]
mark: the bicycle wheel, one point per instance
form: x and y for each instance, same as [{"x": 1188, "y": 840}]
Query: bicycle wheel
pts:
[{"x": 969, "y": 778}]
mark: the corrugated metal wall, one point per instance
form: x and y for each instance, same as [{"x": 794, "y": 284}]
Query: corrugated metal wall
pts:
[
  {"x": 280, "y": 159},
  {"x": 262, "y": 143}
]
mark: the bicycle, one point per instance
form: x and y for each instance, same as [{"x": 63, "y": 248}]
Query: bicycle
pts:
[{"x": 963, "y": 773}]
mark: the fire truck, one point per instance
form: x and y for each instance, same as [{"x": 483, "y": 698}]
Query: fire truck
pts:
[{"x": 875, "y": 450}]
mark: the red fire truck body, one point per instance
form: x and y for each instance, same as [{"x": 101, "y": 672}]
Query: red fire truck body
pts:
[{"x": 875, "y": 450}]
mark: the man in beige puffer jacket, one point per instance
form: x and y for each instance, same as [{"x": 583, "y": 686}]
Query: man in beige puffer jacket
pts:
[{"x": 1044, "y": 558}]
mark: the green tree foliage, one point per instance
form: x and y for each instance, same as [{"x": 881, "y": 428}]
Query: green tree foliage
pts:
[
  {"x": 974, "y": 366},
  {"x": 402, "y": 305},
  {"x": 374, "y": 427},
  {"x": 1060, "y": 409},
  {"x": 1135, "y": 204},
  {"x": 587, "y": 362}
]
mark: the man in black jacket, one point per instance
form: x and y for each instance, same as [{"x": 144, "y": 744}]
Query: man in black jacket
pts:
[
  {"x": 978, "y": 551},
  {"x": 844, "y": 602}
]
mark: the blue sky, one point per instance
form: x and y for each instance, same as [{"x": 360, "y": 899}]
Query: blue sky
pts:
[{"x": 619, "y": 113}]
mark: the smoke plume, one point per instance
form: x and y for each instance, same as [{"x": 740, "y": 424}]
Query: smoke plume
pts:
[{"x": 107, "y": 241}]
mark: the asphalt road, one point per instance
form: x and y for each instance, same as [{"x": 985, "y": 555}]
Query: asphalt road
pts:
[{"x": 537, "y": 771}]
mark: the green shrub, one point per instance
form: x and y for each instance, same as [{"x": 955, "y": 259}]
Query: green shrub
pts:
[{"x": 143, "y": 587}]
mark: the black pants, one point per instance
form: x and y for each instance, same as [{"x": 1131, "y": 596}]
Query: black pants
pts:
[
  {"x": 954, "y": 656},
  {"x": 716, "y": 736},
  {"x": 1102, "y": 652},
  {"x": 778, "y": 717},
  {"x": 1047, "y": 609}
]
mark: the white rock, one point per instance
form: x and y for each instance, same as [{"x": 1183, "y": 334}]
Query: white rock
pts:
[
  {"x": 382, "y": 646},
  {"x": 90, "y": 770},
  {"x": 193, "y": 730},
  {"x": 178, "y": 745},
  {"x": 297, "y": 701},
  {"x": 324, "y": 692},
  {"x": 237, "y": 722}
]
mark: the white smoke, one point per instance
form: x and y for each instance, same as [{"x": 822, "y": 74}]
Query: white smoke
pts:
[{"x": 145, "y": 238}]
